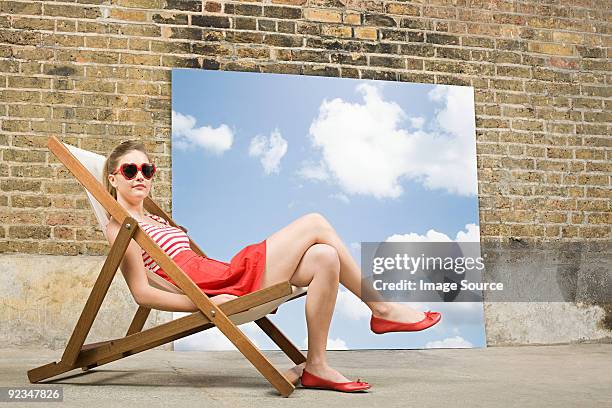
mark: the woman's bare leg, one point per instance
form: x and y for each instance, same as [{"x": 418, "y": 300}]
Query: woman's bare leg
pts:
[
  {"x": 286, "y": 247},
  {"x": 319, "y": 269}
]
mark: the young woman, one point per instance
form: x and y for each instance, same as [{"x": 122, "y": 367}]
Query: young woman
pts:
[{"x": 307, "y": 252}]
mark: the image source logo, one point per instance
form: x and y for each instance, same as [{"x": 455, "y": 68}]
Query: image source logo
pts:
[
  {"x": 456, "y": 272},
  {"x": 423, "y": 272}
]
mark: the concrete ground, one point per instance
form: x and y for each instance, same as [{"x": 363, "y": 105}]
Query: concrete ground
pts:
[{"x": 527, "y": 376}]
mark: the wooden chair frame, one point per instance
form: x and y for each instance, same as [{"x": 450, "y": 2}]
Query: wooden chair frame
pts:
[{"x": 86, "y": 356}]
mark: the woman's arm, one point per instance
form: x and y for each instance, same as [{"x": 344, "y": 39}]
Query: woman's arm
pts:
[
  {"x": 132, "y": 268},
  {"x": 154, "y": 298}
]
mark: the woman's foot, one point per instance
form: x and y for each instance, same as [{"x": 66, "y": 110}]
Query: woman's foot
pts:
[
  {"x": 326, "y": 372},
  {"x": 294, "y": 373},
  {"x": 322, "y": 376},
  {"x": 396, "y": 317},
  {"x": 397, "y": 312}
]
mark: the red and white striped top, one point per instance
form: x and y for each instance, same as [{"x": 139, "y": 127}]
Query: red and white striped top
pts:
[{"x": 171, "y": 240}]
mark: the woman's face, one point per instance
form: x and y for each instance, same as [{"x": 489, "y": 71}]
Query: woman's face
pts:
[{"x": 136, "y": 189}]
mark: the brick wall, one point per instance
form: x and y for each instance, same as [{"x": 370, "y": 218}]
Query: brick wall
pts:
[{"x": 94, "y": 75}]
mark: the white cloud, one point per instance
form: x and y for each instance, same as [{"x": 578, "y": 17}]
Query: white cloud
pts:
[
  {"x": 450, "y": 342},
  {"x": 340, "y": 196},
  {"x": 270, "y": 150},
  {"x": 417, "y": 122},
  {"x": 470, "y": 234},
  {"x": 332, "y": 344},
  {"x": 313, "y": 171},
  {"x": 430, "y": 236},
  {"x": 351, "y": 306},
  {"x": 365, "y": 151},
  {"x": 186, "y": 136}
]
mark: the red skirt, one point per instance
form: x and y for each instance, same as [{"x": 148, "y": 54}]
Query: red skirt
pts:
[{"x": 242, "y": 275}]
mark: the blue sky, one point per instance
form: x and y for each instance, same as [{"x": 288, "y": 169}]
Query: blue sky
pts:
[{"x": 380, "y": 160}]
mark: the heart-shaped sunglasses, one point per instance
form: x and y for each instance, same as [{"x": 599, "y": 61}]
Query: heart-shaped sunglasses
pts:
[{"x": 130, "y": 170}]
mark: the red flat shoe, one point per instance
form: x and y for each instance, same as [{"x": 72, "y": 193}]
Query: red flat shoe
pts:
[
  {"x": 309, "y": 380},
  {"x": 380, "y": 326}
]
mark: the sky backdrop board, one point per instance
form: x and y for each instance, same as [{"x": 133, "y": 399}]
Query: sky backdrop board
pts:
[{"x": 381, "y": 160}]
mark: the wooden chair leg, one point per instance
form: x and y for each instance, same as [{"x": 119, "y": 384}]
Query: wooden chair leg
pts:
[
  {"x": 281, "y": 340},
  {"x": 92, "y": 306}
]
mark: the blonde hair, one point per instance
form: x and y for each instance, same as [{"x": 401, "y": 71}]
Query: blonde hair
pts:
[{"x": 112, "y": 161}]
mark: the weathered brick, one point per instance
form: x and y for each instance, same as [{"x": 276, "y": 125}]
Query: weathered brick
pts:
[
  {"x": 243, "y": 9},
  {"x": 286, "y": 27},
  {"x": 443, "y": 39},
  {"x": 282, "y": 68},
  {"x": 18, "y": 7},
  {"x": 30, "y": 201},
  {"x": 380, "y": 48},
  {"x": 310, "y": 55},
  {"x": 185, "y": 5},
  {"x": 245, "y": 66},
  {"x": 245, "y": 37},
  {"x": 327, "y": 16},
  {"x": 283, "y": 12},
  {"x": 245, "y": 23},
  {"x": 388, "y": 62},
  {"x": 253, "y": 52},
  {"x": 188, "y": 33},
  {"x": 379, "y": 75},
  {"x": 421, "y": 50},
  {"x": 210, "y": 21},
  {"x": 29, "y": 156},
  {"x": 390, "y": 34},
  {"x": 128, "y": 15},
  {"x": 280, "y": 40},
  {"x": 336, "y": 31},
  {"x": 60, "y": 248},
  {"x": 594, "y": 232},
  {"x": 66, "y": 10},
  {"x": 366, "y": 33},
  {"x": 349, "y": 58},
  {"x": 379, "y": 20},
  {"x": 31, "y": 171},
  {"x": 266, "y": 25},
  {"x": 551, "y": 49},
  {"x": 213, "y": 49},
  {"x": 320, "y": 70},
  {"x": 63, "y": 233},
  {"x": 26, "y": 23},
  {"x": 351, "y": 18},
  {"x": 212, "y": 6},
  {"x": 402, "y": 8},
  {"x": 66, "y": 218},
  {"x": 482, "y": 42},
  {"x": 290, "y": 2},
  {"x": 170, "y": 18},
  {"x": 29, "y": 232}
]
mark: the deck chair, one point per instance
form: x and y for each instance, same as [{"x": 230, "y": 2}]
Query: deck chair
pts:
[{"x": 87, "y": 168}]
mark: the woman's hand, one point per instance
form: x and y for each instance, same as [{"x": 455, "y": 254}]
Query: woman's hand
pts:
[{"x": 222, "y": 298}]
